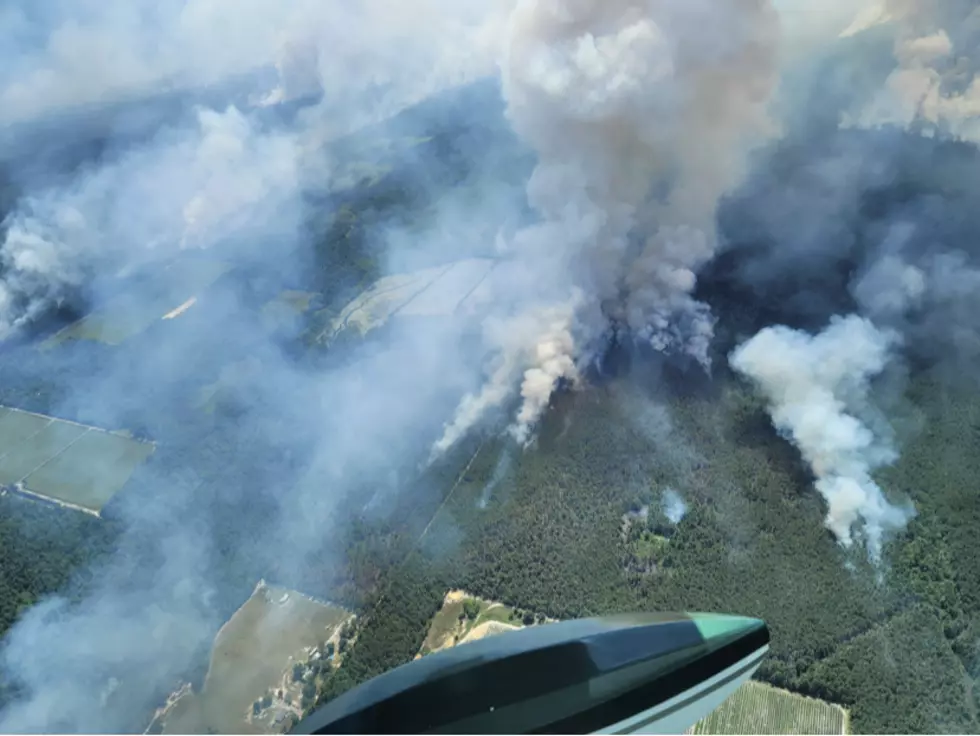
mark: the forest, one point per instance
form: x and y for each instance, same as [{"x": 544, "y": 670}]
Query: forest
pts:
[
  {"x": 542, "y": 529},
  {"x": 752, "y": 543},
  {"x": 550, "y": 538}
]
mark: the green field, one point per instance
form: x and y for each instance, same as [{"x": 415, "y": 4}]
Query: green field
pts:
[
  {"x": 757, "y": 708},
  {"x": 127, "y": 315},
  {"x": 252, "y": 654},
  {"x": 63, "y": 461}
]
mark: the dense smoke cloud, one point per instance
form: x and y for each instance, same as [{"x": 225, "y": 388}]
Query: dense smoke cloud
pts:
[
  {"x": 818, "y": 388},
  {"x": 63, "y": 54},
  {"x": 221, "y": 173},
  {"x": 862, "y": 212},
  {"x": 184, "y": 147},
  {"x": 192, "y": 187},
  {"x": 640, "y": 114}
]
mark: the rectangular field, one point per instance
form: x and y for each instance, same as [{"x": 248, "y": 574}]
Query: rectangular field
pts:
[
  {"x": 757, "y": 708},
  {"x": 128, "y": 314},
  {"x": 252, "y": 654},
  {"x": 65, "y": 462}
]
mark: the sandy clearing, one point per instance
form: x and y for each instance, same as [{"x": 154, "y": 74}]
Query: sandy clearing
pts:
[{"x": 488, "y": 628}]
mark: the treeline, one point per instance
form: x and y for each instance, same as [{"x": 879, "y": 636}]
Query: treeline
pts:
[
  {"x": 46, "y": 549},
  {"x": 550, "y": 539}
]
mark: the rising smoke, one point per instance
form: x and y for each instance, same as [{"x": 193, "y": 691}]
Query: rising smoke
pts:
[
  {"x": 818, "y": 388},
  {"x": 827, "y": 233},
  {"x": 673, "y": 505},
  {"x": 641, "y": 116},
  {"x": 177, "y": 147}
]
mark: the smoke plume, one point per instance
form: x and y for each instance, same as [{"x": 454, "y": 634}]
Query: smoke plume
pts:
[
  {"x": 142, "y": 139},
  {"x": 673, "y": 505},
  {"x": 640, "y": 114},
  {"x": 818, "y": 388},
  {"x": 217, "y": 178},
  {"x": 134, "y": 136}
]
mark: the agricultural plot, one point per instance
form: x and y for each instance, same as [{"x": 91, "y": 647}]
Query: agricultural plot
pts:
[
  {"x": 430, "y": 292},
  {"x": 757, "y": 708},
  {"x": 253, "y": 654},
  {"x": 64, "y": 462},
  {"x": 128, "y": 314}
]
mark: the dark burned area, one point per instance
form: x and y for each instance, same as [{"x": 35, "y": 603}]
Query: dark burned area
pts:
[{"x": 549, "y": 540}]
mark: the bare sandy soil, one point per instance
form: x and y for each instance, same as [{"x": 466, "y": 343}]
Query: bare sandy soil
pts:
[{"x": 488, "y": 628}]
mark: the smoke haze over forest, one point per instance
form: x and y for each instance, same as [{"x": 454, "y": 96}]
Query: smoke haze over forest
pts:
[{"x": 703, "y": 181}]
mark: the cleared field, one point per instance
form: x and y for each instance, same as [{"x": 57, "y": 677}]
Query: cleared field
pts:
[
  {"x": 488, "y": 628},
  {"x": 65, "y": 462},
  {"x": 252, "y": 654},
  {"x": 464, "y": 618},
  {"x": 129, "y": 314},
  {"x": 757, "y": 708},
  {"x": 90, "y": 470}
]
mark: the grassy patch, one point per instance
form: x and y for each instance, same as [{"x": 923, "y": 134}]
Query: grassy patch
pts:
[
  {"x": 286, "y": 308},
  {"x": 650, "y": 546},
  {"x": 445, "y": 627},
  {"x": 499, "y": 612}
]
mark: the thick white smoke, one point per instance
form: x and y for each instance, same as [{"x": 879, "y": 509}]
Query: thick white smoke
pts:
[
  {"x": 673, "y": 505},
  {"x": 540, "y": 337},
  {"x": 640, "y": 113},
  {"x": 817, "y": 388},
  {"x": 224, "y": 175},
  {"x": 64, "y": 54},
  {"x": 191, "y": 187}
]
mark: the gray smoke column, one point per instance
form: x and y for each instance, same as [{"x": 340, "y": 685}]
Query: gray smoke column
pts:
[
  {"x": 640, "y": 114},
  {"x": 817, "y": 387}
]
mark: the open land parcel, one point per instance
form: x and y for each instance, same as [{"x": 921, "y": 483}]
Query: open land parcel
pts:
[
  {"x": 64, "y": 462},
  {"x": 252, "y": 662}
]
